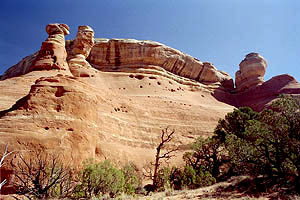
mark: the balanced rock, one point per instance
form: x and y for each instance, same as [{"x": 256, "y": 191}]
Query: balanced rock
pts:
[
  {"x": 81, "y": 48},
  {"x": 52, "y": 54},
  {"x": 251, "y": 73}
]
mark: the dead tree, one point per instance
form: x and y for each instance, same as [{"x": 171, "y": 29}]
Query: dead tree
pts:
[
  {"x": 153, "y": 170},
  {"x": 5, "y": 154},
  {"x": 37, "y": 173}
]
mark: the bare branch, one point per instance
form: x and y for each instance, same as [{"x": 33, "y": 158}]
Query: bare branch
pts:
[{"x": 165, "y": 138}]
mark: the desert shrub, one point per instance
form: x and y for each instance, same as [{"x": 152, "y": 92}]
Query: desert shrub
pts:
[
  {"x": 251, "y": 143},
  {"x": 206, "y": 154},
  {"x": 265, "y": 143},
  {"x": 190, "y": 178},
  {"x": 97, "y": 179},
  {"x": 132, "y": 181},
  {"x": 163, "y": 179}
]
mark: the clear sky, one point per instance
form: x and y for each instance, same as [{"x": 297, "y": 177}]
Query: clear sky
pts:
[{"x": 218, "y": 31}]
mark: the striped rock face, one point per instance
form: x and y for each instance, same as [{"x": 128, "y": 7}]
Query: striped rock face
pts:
[
  {"x": 251, "y": 73},
  {"x": 130, "y": 55},
  {"x": 136, "y": 89}
]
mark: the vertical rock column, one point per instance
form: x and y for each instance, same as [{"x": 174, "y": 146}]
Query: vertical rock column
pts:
[
  {"x": 83, "y": 44},
  {"x": 251, "y": 73},
  {"x": 52, "y": 54}
]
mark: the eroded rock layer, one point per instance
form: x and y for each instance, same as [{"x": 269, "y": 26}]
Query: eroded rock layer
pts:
[
  {"x": 126, "y": 54},
  {"x": 112, "y": 115}
]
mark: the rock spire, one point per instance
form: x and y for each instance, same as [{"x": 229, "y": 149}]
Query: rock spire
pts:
[
  {"x": 81, "y": 49},
  {"x": 52, "y": 54}
]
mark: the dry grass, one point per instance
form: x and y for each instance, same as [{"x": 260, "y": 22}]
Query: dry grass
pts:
[{"x": 237, "y": 188}]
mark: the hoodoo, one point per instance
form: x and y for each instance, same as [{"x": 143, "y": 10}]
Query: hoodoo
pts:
[
  {"x": 52, "y": 54},
  {"x": 81, "y": 48},
  {"x": 251, "y": 72}
]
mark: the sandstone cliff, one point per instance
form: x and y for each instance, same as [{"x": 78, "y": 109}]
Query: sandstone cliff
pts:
[{"x": 110, "y": 102}]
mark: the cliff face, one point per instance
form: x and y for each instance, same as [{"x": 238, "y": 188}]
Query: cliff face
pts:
[
  {"x": 129, "y": 54},
  {"x": 107, "y": 98},
  {"x": 101, "y": 98}
]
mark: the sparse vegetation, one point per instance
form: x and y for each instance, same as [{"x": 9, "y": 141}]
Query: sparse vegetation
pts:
[
  {"x": 250, "y": 143},
  {"x": 99, "y": 179},
  {"x": 40, "y": 175},
  {"x": 163, "y": 153}
]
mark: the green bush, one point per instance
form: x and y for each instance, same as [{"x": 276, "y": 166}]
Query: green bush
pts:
[
  {"x": 163, "y": 179},
  {"x": 98, "y": 179},
  {"x": 131, "y": 179},
  {"x": 265, "y": 143},
  {"x": 190, "y": 178},
  {"x": 207, "y": 154}
]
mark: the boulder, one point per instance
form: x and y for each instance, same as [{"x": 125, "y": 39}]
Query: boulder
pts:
[{"x": 251, "y": 72}]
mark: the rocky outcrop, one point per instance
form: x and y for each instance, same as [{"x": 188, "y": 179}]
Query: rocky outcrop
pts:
[
  {"x": 81, "y": 48},
  {"x": 51, "y": 56},
  {"x": 84, "y": 54},
  {"x": 117, "y": 114},
  {"x": 251, "y": 72},
  {"x": 20, "y": 68},
  {"x": 129, "y": 54},
  {"x": 260, "y": 96}
]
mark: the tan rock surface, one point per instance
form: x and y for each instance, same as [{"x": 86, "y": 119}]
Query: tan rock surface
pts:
[
  {"x": 114, "y": 115},
  {"x": 251, "y": 72},
  {"x": 129, "y": 54}
]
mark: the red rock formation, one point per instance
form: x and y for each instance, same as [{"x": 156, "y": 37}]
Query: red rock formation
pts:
[
  {"x": 252, "y": 91},
  {"x": 52, "y": 54},
  {"x": 251, "y": 73},
  {"x": 260, "y": 96},
  {"x": 81, "y": 48},
  {"x": 118, "y": 114}
]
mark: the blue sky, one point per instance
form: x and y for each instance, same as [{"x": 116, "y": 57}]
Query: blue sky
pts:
[{"x": 218, "y": 31}]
